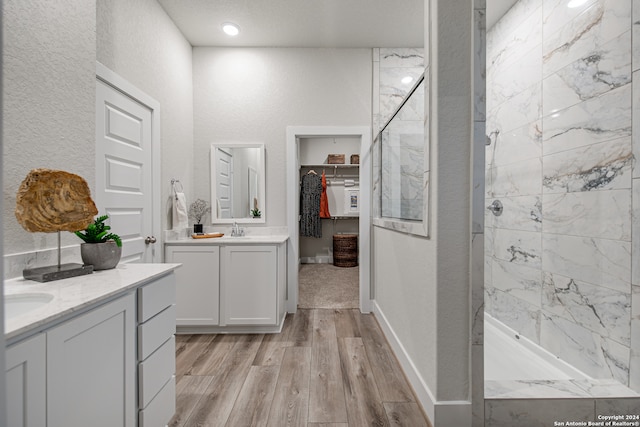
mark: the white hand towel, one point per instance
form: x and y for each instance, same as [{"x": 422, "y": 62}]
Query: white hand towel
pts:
[{"x": 180, "y": 215}]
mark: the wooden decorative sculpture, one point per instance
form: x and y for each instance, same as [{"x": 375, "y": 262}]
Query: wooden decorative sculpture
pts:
[{"x": 51, "y": 200}]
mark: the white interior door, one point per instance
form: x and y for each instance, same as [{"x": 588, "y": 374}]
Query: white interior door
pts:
[
  {"x": 124, "y": 171},
  {"x": 224, "y": 182}
]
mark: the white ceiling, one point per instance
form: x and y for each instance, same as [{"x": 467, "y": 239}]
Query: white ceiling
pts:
[{"x": 308, "y": 23}]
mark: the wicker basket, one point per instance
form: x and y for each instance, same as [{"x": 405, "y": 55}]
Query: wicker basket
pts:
[
  {"x": 345, "y": 250},
  {"x": 335, "y": 159},
  {"x": 355, "y": 159}
]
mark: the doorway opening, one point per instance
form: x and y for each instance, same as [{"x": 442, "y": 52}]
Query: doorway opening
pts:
[{"x": 317, "y": 252}]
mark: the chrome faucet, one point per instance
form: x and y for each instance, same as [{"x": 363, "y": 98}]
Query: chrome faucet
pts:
[{"x": 237, "y": 231}]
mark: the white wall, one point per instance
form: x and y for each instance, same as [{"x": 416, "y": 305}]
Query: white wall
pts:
[
  {"x": 138, "y": 41},
  {"x": 49, "y": 101},
  {"x": 49, "y": 65},
  {"x": 422, "y": 286},
  {"x": 253, "y": 94}
]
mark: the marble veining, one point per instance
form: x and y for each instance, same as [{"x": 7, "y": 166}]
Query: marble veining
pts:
[
  {"x": 558, "y": 261},
  {"x": 593, "y": 354},
  {"x": 602, "y": 262},
  {"x": 598, "y": 72},
  {"x": 519, "y": 247},
  {"x": 601, "y": 22},
  {"x": 519, "y": 110},
  {"x": 401, "y": 57},
  {"x": 598, "y": 309},
  {"x": 581, "y": 214},
  {"x": 602, "y": 166},
  {"x": 603, "y": 118},
  {"x": 519, "y": 213},
  {"x": 516, "y": 145},
  {"x": 519, "y": 281}
]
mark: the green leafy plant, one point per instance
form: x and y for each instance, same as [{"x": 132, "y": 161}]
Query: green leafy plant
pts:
[
  {"x": 256, "y": 212},
  {"x": 98, "y": 232}
]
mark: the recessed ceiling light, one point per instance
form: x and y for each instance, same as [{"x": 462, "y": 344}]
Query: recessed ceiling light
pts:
[
  {"x": 406, "y": 80},
  {"x": 230, "y": 29},
  {"x": 576, "y": 3}
]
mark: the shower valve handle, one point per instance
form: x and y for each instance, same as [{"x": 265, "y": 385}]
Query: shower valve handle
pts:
[{"x": 496, "y": 207}]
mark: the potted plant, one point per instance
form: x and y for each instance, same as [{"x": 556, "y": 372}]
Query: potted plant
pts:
[
  {"x": 256, "y": 213},
  {"x": 197, "y": 210},
  {"x": 101, "y": 248}
]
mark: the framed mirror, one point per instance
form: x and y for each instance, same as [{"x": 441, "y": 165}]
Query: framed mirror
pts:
[{"x": 237, "y": 183}]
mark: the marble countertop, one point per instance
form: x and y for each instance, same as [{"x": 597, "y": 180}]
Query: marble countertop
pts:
[
  {"x": 228, "y": 240},
  {"x": 75, "y": 294}
]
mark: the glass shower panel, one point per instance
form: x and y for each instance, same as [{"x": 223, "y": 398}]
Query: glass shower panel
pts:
[{"x": 402, "y": 160}]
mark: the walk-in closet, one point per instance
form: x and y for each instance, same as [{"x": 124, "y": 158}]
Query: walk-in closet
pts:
[{"x": 329, "y": 220}]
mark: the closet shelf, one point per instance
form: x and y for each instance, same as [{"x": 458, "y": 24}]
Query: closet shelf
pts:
[
  {"x": 343, "y": 217},
  {"x": 328, "y": 166}
]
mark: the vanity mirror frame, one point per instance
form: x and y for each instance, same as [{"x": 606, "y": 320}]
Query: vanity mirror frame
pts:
[{"x": 260, "y": 187}]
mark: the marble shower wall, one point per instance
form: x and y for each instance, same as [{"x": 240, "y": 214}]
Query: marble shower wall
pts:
[
  {"x": 558, "y": 261},
  {"x": 390, "y": 66}
]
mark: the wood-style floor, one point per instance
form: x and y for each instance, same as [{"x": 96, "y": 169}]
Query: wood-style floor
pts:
[{"x": 328, "y": 368}]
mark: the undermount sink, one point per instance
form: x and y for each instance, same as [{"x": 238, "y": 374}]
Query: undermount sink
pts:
[{"x": 17, "y": 305}]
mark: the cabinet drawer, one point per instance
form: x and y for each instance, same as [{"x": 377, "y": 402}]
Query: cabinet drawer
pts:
[
  {"x": 161, "y": 408},
  {"x": 154, "y": 332},
  {"x": 156, "y": 296},
  {"x": 154, "y": 372}
]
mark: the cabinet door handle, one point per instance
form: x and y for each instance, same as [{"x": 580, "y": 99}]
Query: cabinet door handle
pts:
[{"x": 150, "y": 239}]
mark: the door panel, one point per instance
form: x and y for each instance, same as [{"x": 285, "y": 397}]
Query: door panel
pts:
[
  {"x": 124, "y": 169},
  {"x": 224, "y": 183}
]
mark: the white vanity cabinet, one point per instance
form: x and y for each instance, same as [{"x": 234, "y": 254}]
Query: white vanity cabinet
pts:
[
  {"x": 102, "y": 353},
  {"x": 91, "y": 363},
  {"x": 250, "y": 294},
  {"x": 156, "y": 352},
  {"x": 198, "y": 284},
  {"x": 26, "y": 383},
  {"x": 229, "y": 285}
]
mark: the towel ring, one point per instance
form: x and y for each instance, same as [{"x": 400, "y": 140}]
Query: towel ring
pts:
[{"x": 174, "y": 184}]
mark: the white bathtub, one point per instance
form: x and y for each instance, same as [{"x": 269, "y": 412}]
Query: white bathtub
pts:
[{"x": 508, "y": 356}]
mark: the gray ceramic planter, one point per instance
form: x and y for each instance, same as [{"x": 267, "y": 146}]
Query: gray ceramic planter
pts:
[{"x": 102, "y": 256}]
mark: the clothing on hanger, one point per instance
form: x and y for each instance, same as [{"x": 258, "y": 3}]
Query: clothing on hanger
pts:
[
  {"x": 324, "y": 200},
  {"x": 310, "y": 193}
]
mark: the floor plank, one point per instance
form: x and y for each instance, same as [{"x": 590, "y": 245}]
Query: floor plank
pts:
[
  {"x": 302, "y": 328},
  {"x": 392, "y": 384},
  {"x": 189, "y": 390},
  {"x": 237, "y": 380},
  {"x": 291, "y": 399},
  {"x": 403, "y": 414},
  {"x": 326, "y": 398},
  {"x": 347, "y": 323},
  {"x": 254, "y": 401},
  {"x": 271, "y": 351},
  {"x": 211, "y": 356},
  {"x": 216, "y": 404},
  {"x": 188, "y": 351},
  {"x": 364, "y": 406}
]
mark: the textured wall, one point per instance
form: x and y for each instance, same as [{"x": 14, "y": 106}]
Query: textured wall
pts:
[
  {"x": 49, "y": 101},
  {"x": 253, "y": 94},
  {"x": 558, "y": 260},
  {"x": 138, "y": 41},
  {"x": 422, "y": 285}
]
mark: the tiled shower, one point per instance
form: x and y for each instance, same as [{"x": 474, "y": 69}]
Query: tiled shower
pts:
[{"x": 562, "y": 260}]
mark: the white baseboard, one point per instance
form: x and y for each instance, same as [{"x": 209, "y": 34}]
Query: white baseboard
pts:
[
  {"x": 440, "y": 413},
  {"x": 317, "y": 260}
]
